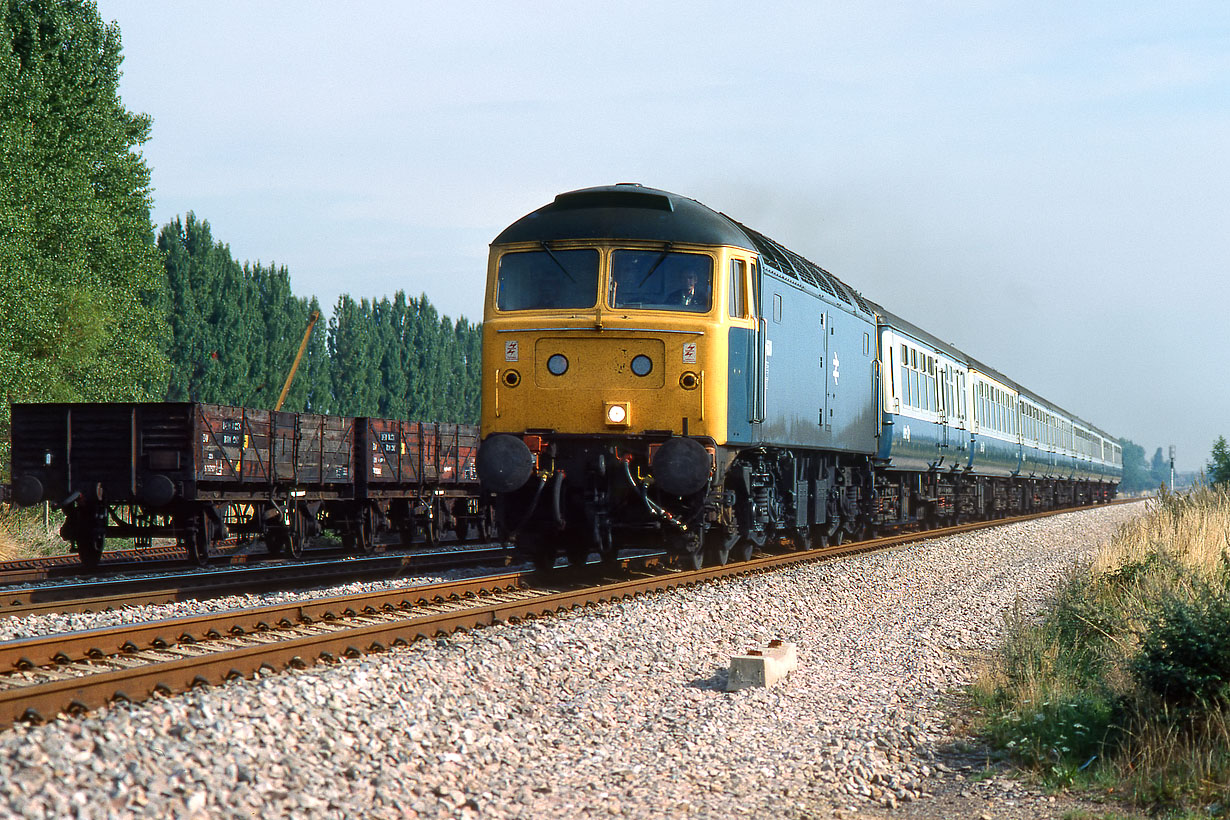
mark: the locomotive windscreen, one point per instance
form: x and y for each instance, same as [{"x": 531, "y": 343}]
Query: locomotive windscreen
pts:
[{"x": 546, "y": 279}]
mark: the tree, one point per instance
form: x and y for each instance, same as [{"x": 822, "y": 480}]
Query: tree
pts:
[
  {"x": 1136, "y": 475},
  {"x": 1218, "y": 469},
  {"x": 1159, "y": 469},
  {"x": 81, "y": 297},
  {"x": 354, "y": 358}
]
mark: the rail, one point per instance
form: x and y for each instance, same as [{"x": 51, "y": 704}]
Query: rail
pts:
[{"x": 41, "y": 677}]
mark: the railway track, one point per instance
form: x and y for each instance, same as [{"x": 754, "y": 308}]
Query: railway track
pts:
[
  {"x": 73, "y": 673},
  {"x": 160, "y": 588}
]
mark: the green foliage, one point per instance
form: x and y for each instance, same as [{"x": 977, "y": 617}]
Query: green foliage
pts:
[
  {"x": 1159, "y": 469},
  {"x": 1059, "y": 734},
  {"x": 1218, "y": 469},
  {"x": 237, "y": 328},
  {"x": 1125, "y": 677},
  {"x": 1137, "y": 471},
  {"x": 1184, "y": 656},
  {"x": 81, "y": 302}
]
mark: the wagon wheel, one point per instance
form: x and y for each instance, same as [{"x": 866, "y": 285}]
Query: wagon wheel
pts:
[
  {"x": 365, "y": 538},
  {"x": 436, "y": 522},
  {"x": 90, "y": 541},
  {"x": 359, "y": 537},
  {"x": 487, "y": 527},
  {"x": 287, "y": 539},
  {"x": 199, "y": 535},
  {"x": 463, "y": 520},
  {"x": 86, "y": 533},
  {"x": 295, "y": 535}
]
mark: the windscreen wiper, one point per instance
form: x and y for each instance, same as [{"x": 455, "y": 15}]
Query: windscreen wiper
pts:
[
  {"x": 656, "y": 262},
  {"x": 558, "y": 263}
]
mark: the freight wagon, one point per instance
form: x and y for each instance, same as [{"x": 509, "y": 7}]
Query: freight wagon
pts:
[{"x": 201, "y": 473}]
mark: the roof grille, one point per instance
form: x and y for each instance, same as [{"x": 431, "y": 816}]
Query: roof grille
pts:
[{"x": 612, "y": 199}]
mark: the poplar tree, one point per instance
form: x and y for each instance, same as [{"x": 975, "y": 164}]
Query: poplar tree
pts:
[
  {"x": 1219, "y": 468},
  {"x": 81, "y": 299}
]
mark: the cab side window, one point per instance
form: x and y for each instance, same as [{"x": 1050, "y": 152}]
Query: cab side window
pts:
[{"x": 738, "y": 296}]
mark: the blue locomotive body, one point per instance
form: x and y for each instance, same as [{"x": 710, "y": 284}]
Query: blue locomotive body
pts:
[{"x": 766, "y": 399}]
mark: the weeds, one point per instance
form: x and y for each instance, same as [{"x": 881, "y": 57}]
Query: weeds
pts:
[
  {"x": 23, "y": 533},
  {"x": 1125, "y": 678}
]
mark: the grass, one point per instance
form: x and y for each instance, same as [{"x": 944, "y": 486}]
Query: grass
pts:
[
  {"x": 23, "y": 534},
  {"x": 1123, "y": 682}
]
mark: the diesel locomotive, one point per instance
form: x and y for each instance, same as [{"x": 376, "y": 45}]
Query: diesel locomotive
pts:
[{"x": 655, "y": 371}]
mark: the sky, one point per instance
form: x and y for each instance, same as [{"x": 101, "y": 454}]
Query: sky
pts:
[{"x": 1045, "y": 185}]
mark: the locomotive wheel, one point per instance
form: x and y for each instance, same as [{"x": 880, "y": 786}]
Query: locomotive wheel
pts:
[
  {"x": 744, "y": 547},
  {"x": 607, "y": 551},
  {"x": 537, "y": 548},
  {"x": 544, "y": 557},
  {"x": 718, "y": 542},
  {"x": 577, "y": 551},
  {"x": 692, "y": 550},
  {"x": 834, "y": 537}
]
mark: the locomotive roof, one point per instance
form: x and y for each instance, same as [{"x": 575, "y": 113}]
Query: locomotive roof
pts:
[
  {"x": 626, "y": 211},
  {"x": 631, "y": 211}
]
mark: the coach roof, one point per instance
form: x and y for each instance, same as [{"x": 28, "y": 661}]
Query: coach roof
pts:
[{"x": 626, "y": 211}]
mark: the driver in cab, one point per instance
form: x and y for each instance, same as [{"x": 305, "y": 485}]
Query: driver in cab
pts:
[{"x": 689, "y": 296}]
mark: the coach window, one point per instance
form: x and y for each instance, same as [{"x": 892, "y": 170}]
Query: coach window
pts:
[{"x": 738, "y": 300}]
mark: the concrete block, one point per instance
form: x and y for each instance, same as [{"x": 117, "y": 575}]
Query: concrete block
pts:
[{"x": 762, "y": 667}]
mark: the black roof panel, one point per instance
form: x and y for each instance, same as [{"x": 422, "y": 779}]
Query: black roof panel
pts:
[{"x": 626, "y": 211}]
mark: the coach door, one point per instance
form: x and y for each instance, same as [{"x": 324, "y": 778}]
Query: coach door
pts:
[{"x": 943, "y": 395}]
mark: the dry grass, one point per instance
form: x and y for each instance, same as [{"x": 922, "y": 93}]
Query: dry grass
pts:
[
  {"x": 1086, "y": 692},
  {"x": 1192, "y": 529},
  {"x": 23, "y": 534}
]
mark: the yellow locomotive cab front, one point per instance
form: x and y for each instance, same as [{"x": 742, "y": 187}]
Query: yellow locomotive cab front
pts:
[
  {"x": 646, "y": 357},
  {"x": 605, "y": 361}
]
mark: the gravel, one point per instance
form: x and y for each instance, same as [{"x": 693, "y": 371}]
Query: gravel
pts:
[
  {"x": 618, "y": 710},
  {"x": 32, "y": 625}
]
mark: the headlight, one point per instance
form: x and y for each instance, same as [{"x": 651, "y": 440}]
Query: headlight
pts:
[{"x": 617, "y": 413}]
